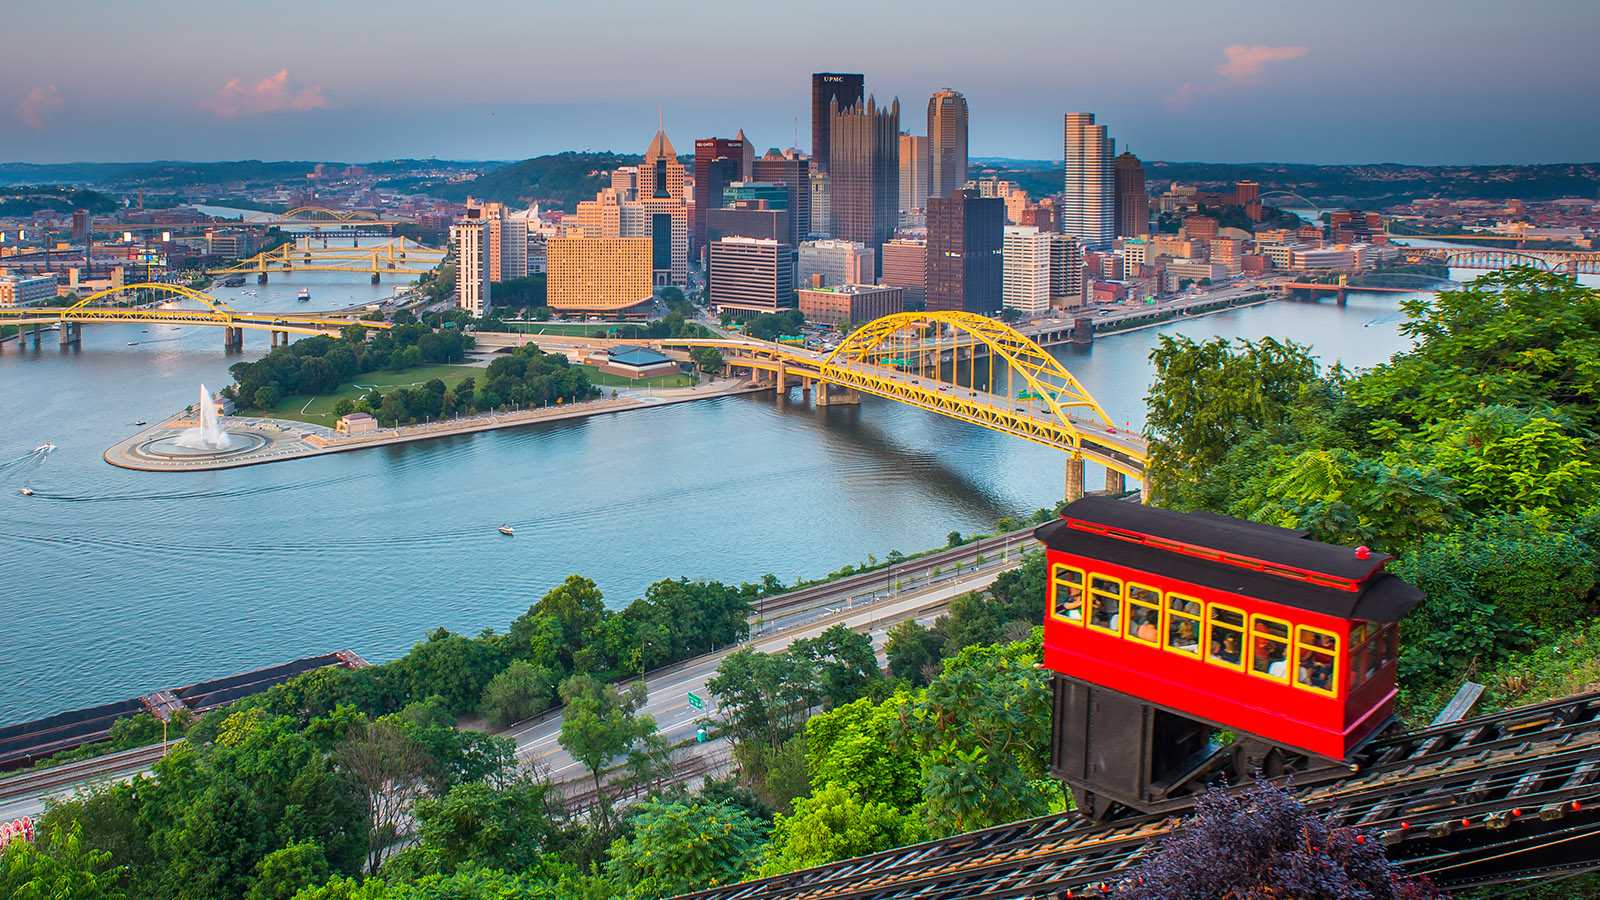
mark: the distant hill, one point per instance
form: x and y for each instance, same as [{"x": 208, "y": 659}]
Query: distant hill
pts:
[{"x": 558, "y": 180}]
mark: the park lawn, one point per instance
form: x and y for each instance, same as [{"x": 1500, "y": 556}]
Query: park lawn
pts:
[
  {"x": 318, "y": 409},
  {"x": 578, "y": 329},
  {"x": 597, "y": 377}
]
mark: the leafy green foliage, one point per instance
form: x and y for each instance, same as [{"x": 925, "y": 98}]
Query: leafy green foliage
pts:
[
  {"x": 833, "y": 823},
  {"x": 61, "y": 865},
  {"x": 679, "y": 847},
  {"x": 317, "y": 365},
  {"x": 517, "y": 693}
]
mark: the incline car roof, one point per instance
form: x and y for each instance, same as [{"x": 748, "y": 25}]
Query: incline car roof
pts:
[{"x": 1308, "y": 571}]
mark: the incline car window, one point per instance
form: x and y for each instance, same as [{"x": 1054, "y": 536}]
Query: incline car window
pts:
[{"x": 1066, "y": 585}]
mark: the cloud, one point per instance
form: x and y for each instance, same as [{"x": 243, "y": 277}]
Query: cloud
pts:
[
  {"x": 272, "y": 94},
  {"x": 37, "y": 104},
  {"x": 1183, "y": 97},
  {"x": 1245, "y": 61}
]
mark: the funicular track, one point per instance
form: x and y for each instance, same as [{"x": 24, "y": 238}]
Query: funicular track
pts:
[{"x": 1485, "y": 800}]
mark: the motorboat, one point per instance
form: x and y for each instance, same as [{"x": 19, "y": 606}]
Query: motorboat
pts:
[
  {"x": 133, "y": 343},
  {"x": 140, "y": 422},
  {"x": 304, "y": 295},
  {"x": 26, "y": 492},
  {"x": 507, "y": 530},
  {"x": 46, "y": 447}
]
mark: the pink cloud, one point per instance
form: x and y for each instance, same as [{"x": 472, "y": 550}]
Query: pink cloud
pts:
[
  {"x": 37, "y": 104},
  {"x": 1245, "y": 61},
  {"x": 1184, "y": 96},
  {"x": 272, "y": 94}
]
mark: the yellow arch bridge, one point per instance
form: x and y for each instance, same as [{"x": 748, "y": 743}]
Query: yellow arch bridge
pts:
[
  {"x": 959, "y": 365},
  {"x": 397, "y": 257},
  {"x": 155, "y": 308}
]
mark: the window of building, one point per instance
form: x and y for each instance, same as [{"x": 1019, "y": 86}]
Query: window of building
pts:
[
  {"x": 1225, "y": 637},
  {"x": 1066, "y": 594},
  {"x": 1144, "y": 614},
  {"x": 1269, "y": 647},
  {"x": 1183, "y": 625},
  {"x": 1316, "y": 659},
  {"x": 1105, "y": 604}
]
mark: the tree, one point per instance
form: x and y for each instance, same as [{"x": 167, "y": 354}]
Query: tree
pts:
[
  {"x": 266, "y": 397},
  {"x": 284, "y": 872},
  {"x": 843, "y": 661},
  {"x": 833, "y": 823},
  {"x": 1263, "y": 843},
  {"x": 675, "y": 848},
  {"x": 521, "y": 691},
  {"x": 600, "y": 725},
  {"x": 709, "y": 359},
  {"x": 388, "y": 767},
  {"x": 762, "y": 698},
  {"x": 858, "y": 747},
  {"x": 984, "y": 728},
  {"x": 913, "y": 651},
  {"x": 61, "y": 865},
  {"x": 474, "y": 824}
]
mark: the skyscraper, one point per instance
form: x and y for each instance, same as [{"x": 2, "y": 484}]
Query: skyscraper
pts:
[
  {"x": 913, "y": 172},
  {"x": 1027, "y": 270},
  {"x": 965, "y": 239},
  {"x": 710, "y": 177},
  {"x": 947, "y": 143},
  {"x": 793, "y": 171},
  {"x": 864, "y": 181},
  {"x": 1088, "y": 204},
  {"x": 660, "y": 174},
  {"x": 829, "y": 89},
  {"x": 1132, "y": 203}
]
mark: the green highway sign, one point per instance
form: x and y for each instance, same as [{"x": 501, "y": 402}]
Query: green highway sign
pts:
[{"x": 695, "y": 701}]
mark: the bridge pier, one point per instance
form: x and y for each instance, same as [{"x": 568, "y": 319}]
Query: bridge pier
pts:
[
  {"x": 261, "y": 278},
  {"x": 35, "y": 338},
  {"x": 1082, "y": 331},
  {"x": 232, "y": 338},
  {"x": 71, "y": 335},
  {"x": 780, "y": 380},
  {"x": 374, "y": 277},
  {"x": 1074, "y": 478},
  {"x": 1116, "y": 482},
  {"x": 833, "y": 395}
]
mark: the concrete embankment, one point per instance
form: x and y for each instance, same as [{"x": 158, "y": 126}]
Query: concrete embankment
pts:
[{"x": 277, "y": 440}]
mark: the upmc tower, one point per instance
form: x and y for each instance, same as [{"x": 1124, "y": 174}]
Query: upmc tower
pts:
[{"x": 848, "y": 90}]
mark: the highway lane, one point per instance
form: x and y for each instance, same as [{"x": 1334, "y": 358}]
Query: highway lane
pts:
[{"x": 537, "y": 740}]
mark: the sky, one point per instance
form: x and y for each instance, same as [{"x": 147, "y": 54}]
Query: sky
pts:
[{"x": 1410, "y": 81}]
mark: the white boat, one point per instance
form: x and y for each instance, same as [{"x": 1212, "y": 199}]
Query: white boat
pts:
[
  {"x": 506, "y": 530},
  {"x": 133, "y": 343},
  {"x": 44, "y": 448},
  {"x": 305, "y": 295},
  {"x": 26, "y": 492}
]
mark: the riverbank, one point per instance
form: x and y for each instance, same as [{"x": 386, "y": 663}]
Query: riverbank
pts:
[{"x": 278, "y": 440}]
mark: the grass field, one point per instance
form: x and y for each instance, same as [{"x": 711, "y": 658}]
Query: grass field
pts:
[
  {"x": 597, "y": 377},
  {"x": 579, "y": 329},
  {"x": 318, "y": 410}
]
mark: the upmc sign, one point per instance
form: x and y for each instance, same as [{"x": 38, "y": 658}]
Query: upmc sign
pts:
[
  {"x": 16, "y": 829},
  {"x": 832, "y": 78}
]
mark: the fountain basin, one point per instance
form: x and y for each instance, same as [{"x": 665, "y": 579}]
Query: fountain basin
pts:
[{"x": 231, "y": 443}]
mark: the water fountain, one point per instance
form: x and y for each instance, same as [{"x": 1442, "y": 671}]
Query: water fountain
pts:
[
  {"x": 208, "y": 435},
  {"x": 206, "y": 440}
]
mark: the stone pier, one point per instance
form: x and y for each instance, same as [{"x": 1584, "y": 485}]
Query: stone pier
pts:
[{"x": 1074, "y": 478}]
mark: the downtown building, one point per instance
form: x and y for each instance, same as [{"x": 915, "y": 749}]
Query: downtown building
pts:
[
  {"x": 599, "y": 274},
  {"x": 793, "y": 171},
  {"x": 1132, "y": 201},
  {"x": 718, "y": 162},
  {"x": 647, "y": 201},
  {"x": 849, "y": 305},
  {"x": 749, "y": 275},
  {"x": 913, "y": 176},
  {"x": 864, "y": 178},
  {"x": 1088, "y": 202},
  {"x": 830, "y": 91},
  {"x": 966, "y": 235},
  {"x": 905, "y": 266},
  {"x": 1027, "y": 270},
  {"x": 470, "y": 238},
  {"x": 831, "y": 262},
  {"x": 947, "y": 143}
]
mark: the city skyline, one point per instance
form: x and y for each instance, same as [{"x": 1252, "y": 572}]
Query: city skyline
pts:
[{"x": 81, "y": 83}]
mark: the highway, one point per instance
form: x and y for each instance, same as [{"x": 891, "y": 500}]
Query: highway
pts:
[{"x": 871, "y": 602}]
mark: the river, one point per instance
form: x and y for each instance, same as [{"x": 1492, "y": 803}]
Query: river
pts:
[{"x": 117, "y": 582}]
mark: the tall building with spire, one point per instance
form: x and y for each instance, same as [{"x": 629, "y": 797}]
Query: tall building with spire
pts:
[
  {"x": 660, "y": 174},
  {"x": 1088, "y": 203},
  {"x": 1132, "y": 203},
  {"x": 864, "y": 174},
  {"x": 828, "y": 89},
  {"x": 947, "y": 143}
]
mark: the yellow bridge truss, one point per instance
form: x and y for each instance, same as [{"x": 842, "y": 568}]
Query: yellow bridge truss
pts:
[
  {"x": 323, "y": 214},
  {"x": 955, "y": 364},
  {"x": 215, "y": 313},
  {"x": 392, "y": 257}
]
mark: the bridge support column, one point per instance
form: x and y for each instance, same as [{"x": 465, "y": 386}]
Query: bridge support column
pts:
[
  {"x": 833, "y": 395},
  {"x": 71, "y": 334},
  {"x": 1116, "y": 482},
  {"x": 780, "y": 381},
  {"x": 1074, "y": 478},
  {"x": 374, "y": 277},
  {"x": 35, "y": 337}
]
